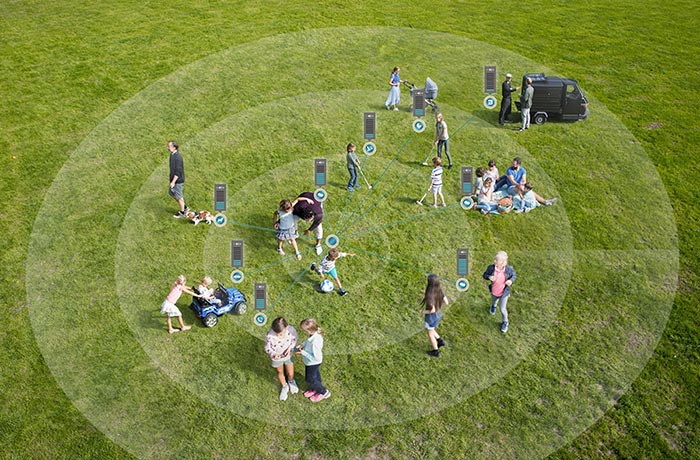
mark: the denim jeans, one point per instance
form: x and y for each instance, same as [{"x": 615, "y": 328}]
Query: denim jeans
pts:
[
  {"x": 353, "y": 177},
  {"x": 446, "y": 144},
  {"x": 503, "y": 302}
]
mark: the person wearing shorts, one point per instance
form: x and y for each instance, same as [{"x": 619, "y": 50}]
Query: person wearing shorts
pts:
[
  {"x": 177, "y": 179},
  {"x": 308, "y": 208},
  {"x": 433, "y": 301},
  {"x": 279, "y": 345},
  {"x": 327, "y": 267},
  {"x": 169, "y": 308}
]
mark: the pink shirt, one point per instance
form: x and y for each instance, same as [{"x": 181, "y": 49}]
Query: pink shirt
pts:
[
  {"x": 175, "y": 293},
  {"x": 499, "y": 281}
]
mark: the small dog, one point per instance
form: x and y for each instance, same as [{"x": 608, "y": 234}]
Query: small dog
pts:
[{"x": 200, "y": 216}]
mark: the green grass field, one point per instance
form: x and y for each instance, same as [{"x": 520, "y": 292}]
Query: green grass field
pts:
[{"x": 601, "y": 360}]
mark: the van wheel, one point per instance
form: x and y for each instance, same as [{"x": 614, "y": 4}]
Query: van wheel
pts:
[{"x": 540, "y": 119}]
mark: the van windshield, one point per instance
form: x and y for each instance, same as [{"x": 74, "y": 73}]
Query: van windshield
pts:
[{"x": 572, "y": 92}]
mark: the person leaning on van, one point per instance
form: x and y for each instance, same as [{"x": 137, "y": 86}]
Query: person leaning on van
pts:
[{"x": 526, "y": 103}]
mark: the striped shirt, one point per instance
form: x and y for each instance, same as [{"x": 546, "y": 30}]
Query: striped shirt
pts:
[
  {"x": 327, "y": 264},
  {"x": 436, "y": 176}
]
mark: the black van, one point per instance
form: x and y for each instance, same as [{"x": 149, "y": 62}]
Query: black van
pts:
[{"x": 555, "y": 98}]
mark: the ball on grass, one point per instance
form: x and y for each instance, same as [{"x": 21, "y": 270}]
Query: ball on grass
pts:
[{"x": 326, "y": 286}]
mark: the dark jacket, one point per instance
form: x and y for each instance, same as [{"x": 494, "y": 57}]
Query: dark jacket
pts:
[
  {"x": 316, "y": 208},
  {"x": 177, "y": 167},
  {"x": 506, "y": 89},
  {"x": 510, "y": 275}
]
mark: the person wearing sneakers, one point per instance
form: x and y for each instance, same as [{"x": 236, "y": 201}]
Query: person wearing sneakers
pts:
[
  {"x": 526, "y": 104},
  {"x": 286, "y": 225},
  {"x": 280, "y": 343},
  {"x": 308, "y": 208},
  {"x": 177, "y": 179},
  {"x": 501, "y": 276},
  {"x": 506, "y": 101},
  {"x": 353, "y": 165},
  {"x": 442, "y": 139},
  {"x": 327, "y": 267},
  {"x": 433, "y": 300},
  {"x": 435, "y": 183},
  {"x": 311, "y": 351}
]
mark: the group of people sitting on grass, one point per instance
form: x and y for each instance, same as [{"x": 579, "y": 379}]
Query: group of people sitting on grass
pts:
[{"x": 495, "y": 193}]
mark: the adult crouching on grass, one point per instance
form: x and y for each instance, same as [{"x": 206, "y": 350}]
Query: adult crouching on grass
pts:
[{"x": 309, "y": 208}]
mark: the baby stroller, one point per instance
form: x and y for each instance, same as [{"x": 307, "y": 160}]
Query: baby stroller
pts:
[{"x": 431, "y": 91}]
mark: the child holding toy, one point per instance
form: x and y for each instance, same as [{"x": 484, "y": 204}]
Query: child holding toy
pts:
[
  {"x": 435, "y": 183},
  {"x": 311, "y": 351},
  {"x": 353, "y": 165},
  {"x": 327, "y": 267},
  {"x": 286, "y": 225},
  {"x": 169, "y": 308},
  {"x": 280, "y": 343}
]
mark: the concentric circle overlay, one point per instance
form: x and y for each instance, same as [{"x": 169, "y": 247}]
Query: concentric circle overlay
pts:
[{"x": 597, "y": 272}]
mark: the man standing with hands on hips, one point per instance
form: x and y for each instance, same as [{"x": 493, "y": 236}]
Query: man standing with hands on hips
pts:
[
  {"x": 506, "y": 102},
  {"x": 526, "y": 103},
  {"x": 177, "y": 178}
]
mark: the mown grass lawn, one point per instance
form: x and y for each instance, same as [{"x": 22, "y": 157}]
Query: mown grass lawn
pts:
[{"x": 598, "y": 272}]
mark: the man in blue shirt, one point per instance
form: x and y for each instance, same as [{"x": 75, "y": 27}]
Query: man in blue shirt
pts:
[{"x": 514, "y": 179}]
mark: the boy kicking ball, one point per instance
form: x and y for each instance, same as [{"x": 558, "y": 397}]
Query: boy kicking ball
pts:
[{"x": 327, "y": 267}]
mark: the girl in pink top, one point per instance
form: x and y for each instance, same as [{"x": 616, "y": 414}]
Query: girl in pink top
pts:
[
  {"x": 169, "y": 308},
  {"x": 501, "y": 276}
]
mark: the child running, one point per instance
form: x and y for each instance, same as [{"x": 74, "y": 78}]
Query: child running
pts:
[
  {"x": 327, "y": 266},
  {"x": 435, "y": 183},
  {"x": 433, "y": 300},
  {"x": 353, "y": 166},
  {"x": 284, "y": 222},
  {"x": 279, "y": 344},
  {"x": 169, "y": 308},
  {"x": 311, "y": 351}
]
